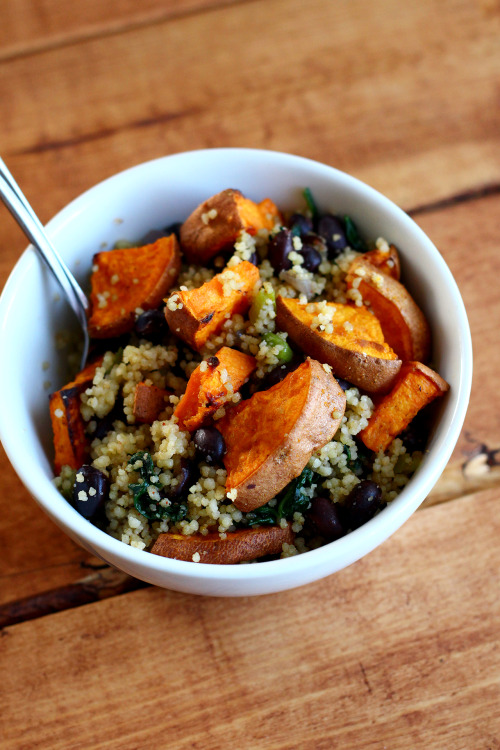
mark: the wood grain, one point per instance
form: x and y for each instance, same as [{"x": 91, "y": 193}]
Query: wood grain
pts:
[
  {"x": 403, "y": 653},
  {"x": 36, "y": 555},
  {"x": 29, "y": 27},
  {"x": 462, "y": 233},
  {"x": 383, "y": 99}
]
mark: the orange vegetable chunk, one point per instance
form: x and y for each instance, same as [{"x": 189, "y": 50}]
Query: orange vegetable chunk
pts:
[
  {"x": 196, "y": 314},
  {"x": 237, "y": 546},
  {"x": 149, "y": 402},
  {"x": 348, "y": 338},
  {"x": 124, "y": 280},
  {"x": 404, "y": 325},
  {"x": 387, "y": 261},
  {"x": 68, "y": 426},
  {"x": 417, "y": 385},
  {"x": 271, "y": 436},
  {"x": 217, "y": 222},
  {"x": 209, "y": 388}
]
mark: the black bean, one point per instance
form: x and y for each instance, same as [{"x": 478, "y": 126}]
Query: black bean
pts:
[
  {"x": 279, "y": 373},
  {"x": 90, "y": 490},
  {"x": 300, "y": 224},
  {"x": 344, "y": 384},
  {"x": 254, "y": 258},
  {"x": 174, "y": 228},
  {"x": 152, "y": 236},
  {"x": 361, "y": 504},
  {"x": 312, "y": 259},
  {"x": 185, "y": 478},
  {"x": 155, "y": 234},
  {"x": 209, "y": 444},
  {"x": 101, "y": 346},
  {"x": 315, "y": 241},
  {"x": 151, "y": 325},
  {"x": 416, "y": 435},
  {"x": 331, "y": 228},
  {"x": 325, "y": 517},
  {"x": 363, "y": 463},
  {"x": 280, "y": 245},
  {"x": 105, "y": 424}
]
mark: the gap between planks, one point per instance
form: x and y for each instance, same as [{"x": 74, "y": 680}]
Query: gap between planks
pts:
[
  {"x": 399, "y": 650},
  {"x": 94, "y": 31},
  {"x": 473, "y": 194},
  {"x": 479, "y": 472}
]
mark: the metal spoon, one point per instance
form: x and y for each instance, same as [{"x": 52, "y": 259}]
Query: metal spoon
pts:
[{"x": 15, "y": 200}]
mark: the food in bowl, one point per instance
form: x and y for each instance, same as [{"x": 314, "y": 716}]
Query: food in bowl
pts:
[{"x": 258, "y": 386}]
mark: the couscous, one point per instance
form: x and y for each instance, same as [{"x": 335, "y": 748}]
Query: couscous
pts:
[{"x": 257, "y": 386}]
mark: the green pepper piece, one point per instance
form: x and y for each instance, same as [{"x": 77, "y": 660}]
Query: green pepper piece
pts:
[
  {"x": 285, "y": 353},
  {"x": 123, "y": 245},
  {"x": 262, "y": 298}
]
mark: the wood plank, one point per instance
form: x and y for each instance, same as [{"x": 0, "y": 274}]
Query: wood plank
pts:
[
  {"x": 424, "y": 136},
  {"x": 288, "y": 670},
  {"x": 463, "y": 233},
  {"x": 33, "y": 25},
  {"x": 102, "y": 583},
  {"x": 36, "y": 554}
]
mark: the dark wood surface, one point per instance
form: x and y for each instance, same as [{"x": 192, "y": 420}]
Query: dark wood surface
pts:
[{"x": 399, "y": 650}]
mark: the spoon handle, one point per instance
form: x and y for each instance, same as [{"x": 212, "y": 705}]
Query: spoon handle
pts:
[{"x": 16, "y": 202}]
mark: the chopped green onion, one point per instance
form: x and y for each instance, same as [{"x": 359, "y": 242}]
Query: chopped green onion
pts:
[
  {"x": 311, "y": 203},
  {"x": 352, "y": 236}
]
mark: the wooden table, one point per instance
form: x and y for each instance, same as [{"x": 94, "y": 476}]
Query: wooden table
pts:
[{"x": 401, "y": 650}]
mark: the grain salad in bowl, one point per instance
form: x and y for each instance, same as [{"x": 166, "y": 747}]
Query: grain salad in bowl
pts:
[{"x": 258, "y": 385}]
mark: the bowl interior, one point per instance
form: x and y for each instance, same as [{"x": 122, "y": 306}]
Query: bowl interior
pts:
[{"x": 153, "y": 195}]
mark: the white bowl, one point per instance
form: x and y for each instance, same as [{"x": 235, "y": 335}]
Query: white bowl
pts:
[{"x": 153, "y": 195}]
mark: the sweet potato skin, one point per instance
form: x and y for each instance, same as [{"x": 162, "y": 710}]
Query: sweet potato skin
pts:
[
  {"x": 202, "y": 236},
  {"x": 149, "y": 402},
  {"x": 68, "y": 426},
  {"x": 374, "y": 372},
  {"x": 238, "y": 546},
  {"x": 207, "y": 391},
  {"x": 197, "y": 314},
  {"x": 403, "y": 323},
  {"x": 271, "y": 436},
  {"x": 133, "y": 277},
  {"x": 417, "y": 385}
]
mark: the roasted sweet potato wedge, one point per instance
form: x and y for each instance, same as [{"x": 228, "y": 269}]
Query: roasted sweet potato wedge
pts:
[
  {"x": 387, "y": 261},
  {"x": 211, "y": 384},
  {"x": 149, "y": 402},
  {"x": 123, "y": 280},
  {"x": 68, "y": 426},
  {"x": 237, "y": 546},
  {"x": 403, "y": 323},
  {"x": 197, "y": 314},
  {"x": 218, "y": 221},
  {"x": 350, "y": 340},
  {"x": 271, "y": 436},
  {"x": 417, "y": 385}
]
